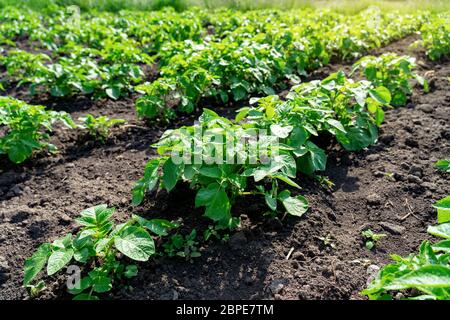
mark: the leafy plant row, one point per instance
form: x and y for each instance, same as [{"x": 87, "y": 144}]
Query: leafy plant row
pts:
[
  {"x": 350, "y": 111},
  {"x": 108, "y": 252},
  {"x": 435, "y": 36},
  {"x": 226, "y": 55},
  {"x": 246, "y": 63},
  {"x": 27, "y": 127}
]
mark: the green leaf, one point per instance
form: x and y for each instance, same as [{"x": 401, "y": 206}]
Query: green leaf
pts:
[
  {"x": 337, "y": 124},
  {"x": 239, "y": 93},
  {"x": 211, "y": 171},
  {"x": 296, "y": 206},
  {"x": 216, "y": 201},
  {"x": 101, "y": 284},
  {"x": 36, "y": 263},
  {"x": 131, "y": 271},
  {"x": 431, "y": 276},
  {"x": 441, "y": 230},
  {"x": 279, "y": 131},
  {"x": 287, "y": 180},
  {"x": 242, "y": 114},
  {"x": 148, "y": 182},
  {"x": 157, "y": 226},
  {"x": 113, "y": 92},
  {"x": 19, "y": 151},
  {"x": 443, "y": 165},
  {"x": 443, "y": 245},
  {"x": 379, "y": 116},
  {"x": 82, "y": 255},
  {"x": 443, "y": 209},
  {"x": 313, "y": 158},
  {"x": 271, "y": 202},
  {"x": 381, "y": 94},
  {"x": 58, "y": 260},
  {"x": 135, "y": 243},
  {"x": 84, "y": 283},
  {"x": 170, "y": 174}
]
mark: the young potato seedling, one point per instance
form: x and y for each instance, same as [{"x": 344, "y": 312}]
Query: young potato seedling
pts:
[
  {"x": 185, "y": 247},
  {"x": 98, "y": 127},
  {"x": 97, "y": 247},
  {"x": 28, "y": 128},
  {"x": 371, "y": 238}
]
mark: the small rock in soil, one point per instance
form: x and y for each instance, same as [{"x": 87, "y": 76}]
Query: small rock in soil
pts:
[
  {"x": 392, "y": 228},
  {"x": 378, "y": 174},
  {"x": 373, "y": 199},
  {"x": 297, "y": 255},
  {"x": 430, "y": 186},
  {"x": 4, "y": 270},
  {"x": 277, "y": 285},
  {"x": 373, "y": 157},
  {"x": 249, "y": 280},
  {"x": 414, "y": 179},
  {"x": 416, "y": 171},
  {"x": 16, "y": 190},
  {"x": 427, "y": 108},
  {"x": 64, "y": 219},
  {"x": 372, "y": 272},
  {"x": 405, "y": 165},
  {"x": 238, "y": 240},
  {"x": 399, "y": 296}
]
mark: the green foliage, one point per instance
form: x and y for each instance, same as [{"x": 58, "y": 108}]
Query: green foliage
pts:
[
  {"x": 185, "y": 247},
  {"x": 443, "y": 165},
  {"x": 436, "y": 36},
  {"x": 242, "y": 62},
  {"x": 225, "y": 55},
  {"x": 428, "y": 272},
  {"x": 371, "y": 238},
  {"x": 217, "y": 232},
  {"x": 27, "y": 128},
  {"x": 393, "y": 72},
  {"x": 98, "y": 127},
  {"x": 97, "y": 246},
  {"x": 349, "y": 110},
  {"x": 443, "y": 209}
]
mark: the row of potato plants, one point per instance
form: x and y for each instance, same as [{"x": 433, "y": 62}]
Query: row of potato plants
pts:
[
  {"x": 246, "y": 53},
  {"x": 351, "y": 111},
  {"x": 435, "y": 36},
  {"x": 246, "y": 62},
  {"x": 27, "y": 128}
]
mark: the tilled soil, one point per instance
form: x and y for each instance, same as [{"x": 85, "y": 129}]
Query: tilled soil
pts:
[{"x": 389, "y": 188}]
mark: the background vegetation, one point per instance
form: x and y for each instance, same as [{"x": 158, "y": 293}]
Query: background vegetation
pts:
[{"x": 344, "y": 6}]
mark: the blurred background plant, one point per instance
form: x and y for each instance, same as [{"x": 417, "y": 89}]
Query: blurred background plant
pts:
[{"x": 343, "y": 6}]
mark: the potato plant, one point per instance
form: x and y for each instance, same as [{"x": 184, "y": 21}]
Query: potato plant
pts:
[
  {"x": 435, "y": 36},
  {"x": 27, "y": 128},
  {"x": 428, "y": 272},
  {"x": 349, "y": 110},
  {"x": 393, "y": 72},
  {"x": 98, "y": 127},
  {"x": 98, "y": 246}
]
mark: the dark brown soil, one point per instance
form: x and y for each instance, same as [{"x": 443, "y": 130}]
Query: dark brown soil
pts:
[{"x": 389, "y": 188}]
